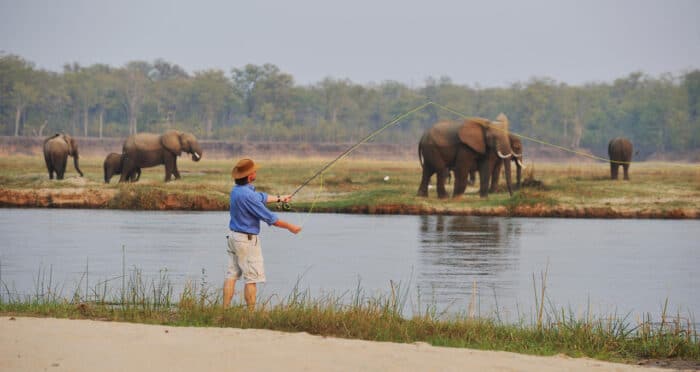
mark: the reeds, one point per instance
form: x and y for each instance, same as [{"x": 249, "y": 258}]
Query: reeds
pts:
[{"x": 356, "y": 315}]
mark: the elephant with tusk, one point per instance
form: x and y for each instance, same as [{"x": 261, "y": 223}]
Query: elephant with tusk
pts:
[{"x": 475, "y": 143}]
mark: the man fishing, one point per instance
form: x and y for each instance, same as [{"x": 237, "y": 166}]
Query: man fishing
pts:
[{"x": 244, "y": 250}]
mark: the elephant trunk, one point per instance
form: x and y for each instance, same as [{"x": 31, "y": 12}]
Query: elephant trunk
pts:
[
  {"x": 196, "y": 151},
  {"x": 506, "y": 169},
  {"x": 518, "y": 171},
  {"x": 75, "y": 163}
]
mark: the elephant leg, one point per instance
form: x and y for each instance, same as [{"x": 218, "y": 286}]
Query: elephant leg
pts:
[
  {"x": 613, "y": 171},
  {"x": 135, "y": 175},
  {"x": 625, "y": 168},
  {"x": 484, "y": 178},
  {"x": 424, "y": 182},
  {"x": 127, "y": 167},
  {"x": 49, "y": 166},
  {"x": 176, "y": 172},
  {"x": 441, "y": 178},
  {"x": 170, "y": 168},
  {"x": 460, "y": 182},
  {"x": 60, "y": 168},
  {"x": 495, "y": 176}
]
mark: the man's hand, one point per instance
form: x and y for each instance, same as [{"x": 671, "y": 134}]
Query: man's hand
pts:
[{"x": 294, "y": 229}]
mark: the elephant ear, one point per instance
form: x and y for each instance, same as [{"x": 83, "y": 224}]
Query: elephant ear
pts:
[
  {"x": 502, "y": 120},
  {"x": 171, "y": 141},
  {"x": 471, "y": 133}
]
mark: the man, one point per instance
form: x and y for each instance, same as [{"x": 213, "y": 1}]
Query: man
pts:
[{"x": 247, "y": 210}]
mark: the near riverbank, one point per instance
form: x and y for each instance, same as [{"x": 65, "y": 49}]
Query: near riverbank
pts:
[
  {"x": 87, "y": 345},
  {"x": 579, "y": 190}
]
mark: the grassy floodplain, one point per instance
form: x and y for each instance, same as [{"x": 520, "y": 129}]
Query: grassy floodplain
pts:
[{"x": 657, "y": 190}]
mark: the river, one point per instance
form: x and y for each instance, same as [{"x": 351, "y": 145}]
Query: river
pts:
[{"x": 447, "y": 264}]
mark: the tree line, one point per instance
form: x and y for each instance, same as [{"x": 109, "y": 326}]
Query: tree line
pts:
[{"x": 263, "y": 103}]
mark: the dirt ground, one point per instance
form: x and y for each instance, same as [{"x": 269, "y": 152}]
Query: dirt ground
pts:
[{"x": 46, "y": 344}]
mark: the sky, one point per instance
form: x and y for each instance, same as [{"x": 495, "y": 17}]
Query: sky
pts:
[{"x": 491, "y": 43}]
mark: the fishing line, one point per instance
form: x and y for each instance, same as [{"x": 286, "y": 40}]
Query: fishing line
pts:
[{"x": 355, "y": 146}]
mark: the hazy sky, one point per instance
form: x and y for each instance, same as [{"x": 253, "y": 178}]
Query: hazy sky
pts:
[{"x": 490, "y": 43}]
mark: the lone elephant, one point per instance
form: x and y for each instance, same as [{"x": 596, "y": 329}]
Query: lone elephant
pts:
[
  {"x": 461, "y": 146},
  {"x": 57, "y": 148},
  {"x": 620, "y": 153},
  {"x": 146, "y": 150},
  {"x": 113, "y": 165}
]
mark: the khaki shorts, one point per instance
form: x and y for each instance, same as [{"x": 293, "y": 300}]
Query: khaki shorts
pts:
[{"x": 245, "y": 258}]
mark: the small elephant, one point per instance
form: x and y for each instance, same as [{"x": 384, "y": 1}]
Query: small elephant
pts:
[
  {"x": 56, "y": 151},
  {"x": 113, "y": 165},
  {"x": 146, "y": 150},
  {"x": 620, "y": 153},
  {"x": 461, "y": 146}
]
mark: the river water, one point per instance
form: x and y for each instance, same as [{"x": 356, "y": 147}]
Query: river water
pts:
[{"x": 449, "y": 264}]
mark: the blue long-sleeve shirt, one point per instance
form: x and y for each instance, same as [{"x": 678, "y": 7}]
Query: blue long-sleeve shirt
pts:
[{"x": 248, "y": 209}]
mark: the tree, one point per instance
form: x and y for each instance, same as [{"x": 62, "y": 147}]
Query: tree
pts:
[
  {"x": 691, "y": 83},
  {"x": 170, "y": 86},
  {"x": 18, "y": 86},
  {"x": 212, "y": 90},
  {"x": 132, "y": 90},
  {"x": 265, "y": 90}
]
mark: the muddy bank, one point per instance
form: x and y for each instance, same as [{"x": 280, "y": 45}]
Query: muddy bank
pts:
[
  {"x": 519, "y": 211},
  {"x": 128, "y": 199}
]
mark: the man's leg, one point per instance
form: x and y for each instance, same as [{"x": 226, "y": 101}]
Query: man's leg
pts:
[
  {"x": 229, "y": 288},
  {"x": 250, "y": 292}
]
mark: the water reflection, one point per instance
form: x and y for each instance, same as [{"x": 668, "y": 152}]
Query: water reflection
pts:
[{"x": 459, "y": 253}]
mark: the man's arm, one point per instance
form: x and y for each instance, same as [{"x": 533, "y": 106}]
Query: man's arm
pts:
[{"x": 294, "y": 229}]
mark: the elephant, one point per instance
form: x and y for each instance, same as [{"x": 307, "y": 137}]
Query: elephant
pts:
[
  {"x": 56, "y": 151},
  {"x": 620, "y": 153},
  {"x": 146, "y": 150},
  {"x": 517, "y": 158},
  {"x": 113, "y": 165},
  {"x": 461, "y": 146},
  {"x": 517, "y": 146}
]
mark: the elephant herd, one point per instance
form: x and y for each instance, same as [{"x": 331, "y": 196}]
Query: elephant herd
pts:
[
  {"x": 141, "y": 150},
  {"x": 464, "y": 148},
  {"x": 485, "y": 146}
]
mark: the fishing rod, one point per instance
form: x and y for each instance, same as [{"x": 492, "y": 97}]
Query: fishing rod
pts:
[{"x": 352, "y": 148}]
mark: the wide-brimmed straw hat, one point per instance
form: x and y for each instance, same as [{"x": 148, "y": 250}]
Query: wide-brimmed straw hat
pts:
[{"x": 243, "y": 168}]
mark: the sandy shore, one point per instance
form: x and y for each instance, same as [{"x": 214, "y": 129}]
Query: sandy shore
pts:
[{"x": 45, "y": 344}]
